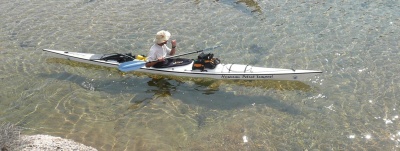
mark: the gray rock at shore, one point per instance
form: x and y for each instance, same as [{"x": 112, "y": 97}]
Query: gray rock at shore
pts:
[{"x": 46, "y": 142}]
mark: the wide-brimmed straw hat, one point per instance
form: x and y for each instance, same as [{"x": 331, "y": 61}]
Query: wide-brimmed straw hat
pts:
[{"x": 162, "y": 36}]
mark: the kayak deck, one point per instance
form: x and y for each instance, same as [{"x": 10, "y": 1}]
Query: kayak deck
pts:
[{"x": 221, "y": 71}]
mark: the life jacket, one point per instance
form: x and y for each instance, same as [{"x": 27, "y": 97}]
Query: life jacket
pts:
[{"x": 205, "y": 61}]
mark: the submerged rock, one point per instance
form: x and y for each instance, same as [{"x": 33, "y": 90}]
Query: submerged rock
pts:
[{"x": 46, "y": 142}]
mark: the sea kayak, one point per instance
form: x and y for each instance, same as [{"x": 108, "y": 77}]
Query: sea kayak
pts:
[{"x": 221, "y": 71}]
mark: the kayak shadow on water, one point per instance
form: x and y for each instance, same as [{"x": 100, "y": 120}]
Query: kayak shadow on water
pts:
[
  {"x": 202, "y": 93},
  {"x": 208, "y": 95}
]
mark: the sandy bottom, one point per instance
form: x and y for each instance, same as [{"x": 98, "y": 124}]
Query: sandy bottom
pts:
[{"x": 46, "y": 142}]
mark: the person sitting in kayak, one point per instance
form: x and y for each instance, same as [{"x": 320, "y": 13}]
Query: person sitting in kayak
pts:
[{"x": 160, "y": 50}]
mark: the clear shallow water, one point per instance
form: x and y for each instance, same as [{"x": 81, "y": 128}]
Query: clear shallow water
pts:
[{"x": 352, "y": 106}]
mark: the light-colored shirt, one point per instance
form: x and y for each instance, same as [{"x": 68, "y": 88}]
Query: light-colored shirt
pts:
[{"x": 157, "y": 51}]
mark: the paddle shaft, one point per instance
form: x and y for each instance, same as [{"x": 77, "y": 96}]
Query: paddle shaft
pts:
[
  {"x": 181, "y": 55},
  {"x": 189, "y": 53},
  {"x": 151, "y": 63}
]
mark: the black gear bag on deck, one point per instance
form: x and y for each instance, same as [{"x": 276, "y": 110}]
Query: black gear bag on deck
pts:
[{"x": 205, "y": 61}]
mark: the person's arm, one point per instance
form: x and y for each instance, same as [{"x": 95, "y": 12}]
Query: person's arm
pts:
[
  {"x": 173, "y": 49},
  {"x": 150, "y": 64}
]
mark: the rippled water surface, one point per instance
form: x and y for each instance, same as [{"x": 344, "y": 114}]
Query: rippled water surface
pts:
[{"x": 353, "y": 105}]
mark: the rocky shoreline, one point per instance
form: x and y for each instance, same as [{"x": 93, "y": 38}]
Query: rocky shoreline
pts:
[{"x": 46, "y": 142}]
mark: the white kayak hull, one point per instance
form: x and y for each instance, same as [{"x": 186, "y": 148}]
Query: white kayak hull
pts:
[{"x": 222, "y": 71}]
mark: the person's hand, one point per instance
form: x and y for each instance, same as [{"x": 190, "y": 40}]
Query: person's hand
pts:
[
  {"x": 161, "y": 59},
  {"x": 173, "y": 42}
]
